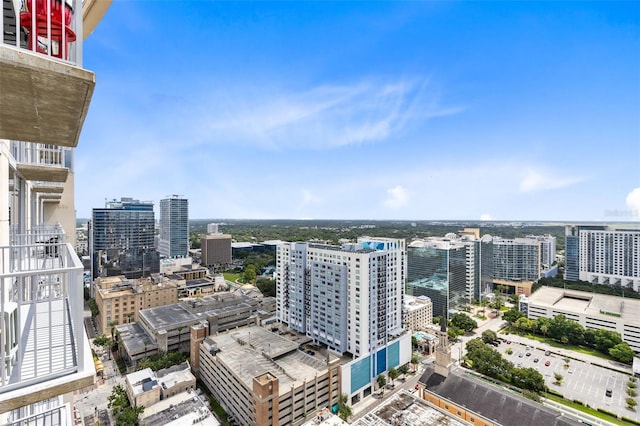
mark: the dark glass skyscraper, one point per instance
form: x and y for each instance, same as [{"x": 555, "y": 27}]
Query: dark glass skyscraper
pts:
[
  {"x": 122, "y": 239},
  {"x": 437, "y": 269}
]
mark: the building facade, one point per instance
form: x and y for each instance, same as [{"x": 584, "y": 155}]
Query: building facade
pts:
[
  {"x": 438, "y": 269},
  {"x": 120, "y": 300},
  {"x": 591, "y": 310},
  {"x": 174, "y": 227},
  {"x": 517, "y": 259},
  {"x": 347, "y": 297},
  {"x": 417, "y": 313},
  {"x": 122, "y": 239},
  {"x": 45, "y": 96},
  {"x": 261, "y": 378},
  {"x": 216, "y": 249},
  {"x": 603, "y": 255}
]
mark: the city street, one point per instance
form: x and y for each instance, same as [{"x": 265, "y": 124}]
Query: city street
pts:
[{"x": 370, "y": 402}]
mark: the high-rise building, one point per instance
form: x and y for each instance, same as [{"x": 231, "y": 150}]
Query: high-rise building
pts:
[
  {"x": 45, "y": 96},
  {"x": 603, "y": 255},
  {"x": 174, "y": 227},
  {"x": 348, "y": 298},
  {"x": 547, "y": 249},
  {"x": 479, "y": 262},
  {"x": 516, "y": 259},
  {"x": 437, "y": 268},
  {"x": 122, "y": 239}
]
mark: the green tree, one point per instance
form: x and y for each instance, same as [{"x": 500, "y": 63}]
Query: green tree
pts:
[
  {"x": 415, "y": 359},
  {"x": 622, "y": 352},
  {"x": 393, "y": 374},
  {"x": 249, "y": 274},
  {"x": 344, "y": 410},
  {"x": 558, "y": 378},
  {"x": 605, "y": 340},
  {"x": 118, "y": 399},
  {"x": 527, "y": 378},
  {"x": 93, "y": 306},
  {"x": 512, "y": 315},
  {"x": 523, "y": 324},
  {"x": 631, "y": 403},
  {"x": 463, "y": 322},
  {"x": 489, "y": 336},
  {"x": 404, "y": 369},
  {"x": 101, "y": 340},
  {"x": 113, "y": 324},
  {"x": 267, "y": 286},
  {"x": 544, "y": 329},
  {"x": 382, "y": 381},
  {"x": 488, "y": 361}
]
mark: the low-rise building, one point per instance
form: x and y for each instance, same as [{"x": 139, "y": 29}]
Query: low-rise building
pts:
[
  {"x": 185, "y": 408},
  {"x": 262, "y": 378},
  {"x": 166, "y": 328},
  {"x": 142, "y": 388},
  {"x": 120, "y": 299},
  {"x": 175, "y": 380},
  {"x": 417, "y": 313},
  {"x": 591, "y": 310},
  {"x": 145, "y": 387}
]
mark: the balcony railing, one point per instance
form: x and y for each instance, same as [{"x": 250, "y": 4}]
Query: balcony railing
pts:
[
  {"x": 41, "y": 310},
  {"x": 38, "y": 235},
  {"x": 46, "y": 27},
  {"x": 39, "y": 154}
]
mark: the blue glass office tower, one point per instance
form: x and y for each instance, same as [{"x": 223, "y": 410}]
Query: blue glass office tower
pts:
[
  {"x": 122, "y": 239},
  {"x": 437, "y": 269}
]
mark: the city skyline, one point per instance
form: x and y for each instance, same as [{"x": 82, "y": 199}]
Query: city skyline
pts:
[{"x": 406, "y": 111}]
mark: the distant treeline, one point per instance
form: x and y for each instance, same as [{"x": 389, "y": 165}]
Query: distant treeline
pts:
[{"x": 332, "y": 231}]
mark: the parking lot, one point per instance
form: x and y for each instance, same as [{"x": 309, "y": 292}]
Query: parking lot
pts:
[{"x": 581, "y": 381}]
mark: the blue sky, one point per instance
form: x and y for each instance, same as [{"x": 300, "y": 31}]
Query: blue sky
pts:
[{"x": 366, "y": 110}]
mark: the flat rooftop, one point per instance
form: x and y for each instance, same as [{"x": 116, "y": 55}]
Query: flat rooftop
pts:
[
  {"x": 189, "y": 312},
  {"x": 132, "y": 336},
  {"x": 406, "y": 409},
  {"x": 185, "y": 408},
  {"x": 253, "y": 351},
  {"x": 590, "y": 304}
]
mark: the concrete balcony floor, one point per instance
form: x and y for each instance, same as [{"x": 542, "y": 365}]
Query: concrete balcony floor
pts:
[{"x": 43, "y": 99}]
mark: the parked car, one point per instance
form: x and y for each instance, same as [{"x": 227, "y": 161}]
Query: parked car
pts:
[
  {"x": 548, "y": 363},
  {"x": 608, "y": 392},
  {"x": 528, "y": 353},
  {"x": 536, "y": 360},
  {"x": 547, "y": 353}
]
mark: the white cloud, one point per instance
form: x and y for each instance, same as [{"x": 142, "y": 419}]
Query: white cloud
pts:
[
  {"x": 398, "y": 197},
  {"x": 540, "y": 180},
  {"x": 326, "y": 116},
  {"x": 633, "y": 202},
  {"x": 486, "y": 217}
]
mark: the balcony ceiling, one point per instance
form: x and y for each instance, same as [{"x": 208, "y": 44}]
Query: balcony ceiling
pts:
[
  {"x": 48, "y": 189},
  {"x": 41, "y": 99},
  {"x": 43, "y": 173},
  {"x": 51, "y": 198}
]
